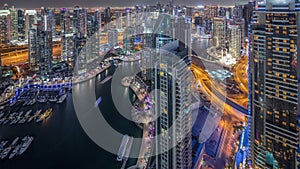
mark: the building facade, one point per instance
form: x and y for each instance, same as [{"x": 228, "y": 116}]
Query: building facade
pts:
[
  {"x": 274, "y": 91},
  {"x": 234, "y": 34},
  {"x": 5, "y": 26}
]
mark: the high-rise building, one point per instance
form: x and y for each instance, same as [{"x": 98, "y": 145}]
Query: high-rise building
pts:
[
  {"x": 274, "y": 88},
  {"x": 211, "y": 11},
  {"x": 30, "y": 21},
  {"x": 112, "y": 35},
  {"x": 107, "y": 15},
  {"x": 172, "y": 77},
  {"x": 45, "y": 51},
  {"x": 49, "y": 21},
  {"x": 127, "y": 38},
  {"x": 241, "y": 23},
  {"x": 67, "y": 47},
  {"x": 65, "y": 22},
  {"x": 13, "y": 24},
  {"x": 219, "y": 32},
  {"x": 80, "y": 52},
  {"x": 33, "y": 48},
  {"x": 21, "y": 33},
  {"x": 234, "y": 33},
  {"x": 98, "y": 20},
  {"x": 4, "y": 26},
  {"x": 80, "y": 20}
]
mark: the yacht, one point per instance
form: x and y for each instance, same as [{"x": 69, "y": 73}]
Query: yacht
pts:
[
  {"x": 99, "y": 100},
  {"x": 2, "y": 144},
  {"x": 30, "y": 119},
  {"x": 53, "y": 99},
  {"x": 62, "y": 98},
  {"x": 5, "y": 152},
  {"x": 123, "y": 147},
  {"x": 27, "y": 140},
  {"x": 15, "y": 152}
]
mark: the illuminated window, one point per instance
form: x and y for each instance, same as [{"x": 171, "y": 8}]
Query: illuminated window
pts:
[
  {"x": 277, "y": 49},
  {"x": 284, "y": 123},
  {"x": 284, "y": 49}
]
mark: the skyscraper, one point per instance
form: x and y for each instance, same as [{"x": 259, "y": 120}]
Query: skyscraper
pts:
[
  {"x": 33, "y": 52},
  {"x": 80, "y": 53},
  {"x": 112, "y": 35},
  {"x": 45, "y": 51},
  {"x": 219, "y": 31},
  {"x": 30, "y": 21},
  {"x": 65, "y": 21},
  {"x": 80, "y": 20},
  {"x": 67, "y": 47},
  {"x": 211, "y": 11},
  {"x": 172, "y": 78},
  {"x": 4, "y": 26},
  {"x": 98, "y": 20},
  {"x": 21, "y": 32},
  {"x": 13, "y": 23},
  {"x": 274, "y": 91},
  {"x": 234, "y": 33}
]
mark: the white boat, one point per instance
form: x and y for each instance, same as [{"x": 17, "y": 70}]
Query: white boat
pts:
[
  {"x": 22, "y": 120},
  {"x": 1, "y": 114},
  {"x": 27, "y": 140},
  {"x": 62, "y": 98},
  {"x": 122, "y": 148},
  {"x": 2, "y": 144},
  {"x": 99, "y": 100},
  {"x": 39, "y": 118},
  {"x": 28, "y": 112},
  {"x": 5, "y": 152},
  {"x": 14, "y": 142},
  {"x": 15, "y": 152},
  {"x": 53, "y": 99},
  {"x": 30, "y": 119},
  {"x": 37, "y": 113}
]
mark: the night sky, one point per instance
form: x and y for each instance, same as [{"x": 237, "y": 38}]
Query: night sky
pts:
[{"x": 105, "y": 3}]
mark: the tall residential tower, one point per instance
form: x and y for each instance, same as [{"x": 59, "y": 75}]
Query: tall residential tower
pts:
[{"x": 274, "y": 70}]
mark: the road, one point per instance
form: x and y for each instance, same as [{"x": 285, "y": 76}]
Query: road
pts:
[
  {"x": 217, "y": 94},
  {"x": 229, "y": 117},
  {"x": 21, "y": 56},
  {"x": 240, "y": 72}
]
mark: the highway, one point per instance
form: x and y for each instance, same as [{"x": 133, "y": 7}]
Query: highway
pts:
[
  {"x": 21, "y": 56},
  {"x": 240, "y": 72},
  {"x": 232, "y": 112}
]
